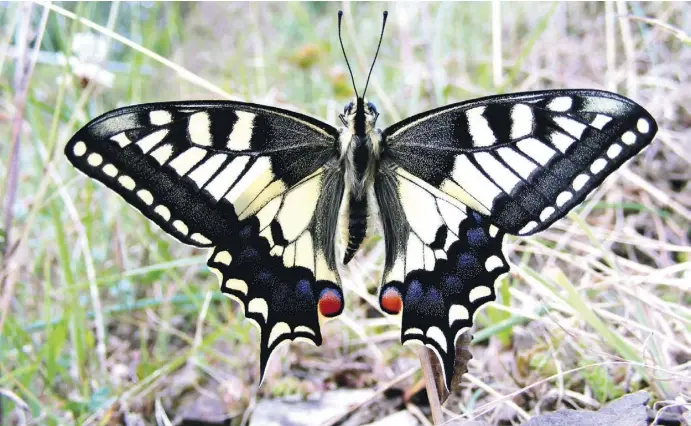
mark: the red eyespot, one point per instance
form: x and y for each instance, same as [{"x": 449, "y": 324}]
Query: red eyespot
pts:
[
  {"x": 330, "y": 302},
  {"x": 391, "y": 301}
]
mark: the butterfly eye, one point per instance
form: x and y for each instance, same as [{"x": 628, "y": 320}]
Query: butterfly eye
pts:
[
  {"x": 372, "y": 108},
  {"x": 347, "y": 108}
]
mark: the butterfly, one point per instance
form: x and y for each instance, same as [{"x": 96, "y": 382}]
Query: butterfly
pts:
[{"x": 270, "y": 192}]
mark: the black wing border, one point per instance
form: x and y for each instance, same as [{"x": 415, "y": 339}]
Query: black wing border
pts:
[
  {"x": 525, "y": 96},
  {"x": 208, "y": 104}
]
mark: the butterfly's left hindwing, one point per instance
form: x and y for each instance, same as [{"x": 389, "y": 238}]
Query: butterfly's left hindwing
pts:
[{"x": 242, "y": 179}]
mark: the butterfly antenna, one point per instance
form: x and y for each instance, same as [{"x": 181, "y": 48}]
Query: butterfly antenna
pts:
[
  {"x": 340, "y": 17},
  {"x": 381, "y": 37}
]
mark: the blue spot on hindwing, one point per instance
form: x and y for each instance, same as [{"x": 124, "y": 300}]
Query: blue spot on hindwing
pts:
[
  {"x": 414, "y": 292},
  {"x": 304, "y": 289},
  {"x": 451, "y": 284},
  {"x": 477, "y": 217},
  {"x": 435, "y": 303},
  {"x": 477, "y": 238},
  {"x": 246, "y": 232},
  {"x": 249, "y": 255},
  {"x": 265, "y": 277},
  {"x": 467, "y": 261},
  {"x": 468, "y": 266}
]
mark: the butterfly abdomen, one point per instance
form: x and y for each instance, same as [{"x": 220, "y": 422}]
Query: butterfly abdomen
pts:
[{"x": 357, "y": 225}]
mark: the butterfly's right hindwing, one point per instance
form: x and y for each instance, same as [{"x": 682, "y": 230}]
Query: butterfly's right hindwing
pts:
[
  {"x": 242, "y": 179},
  {"x": 442, "y": 260}
]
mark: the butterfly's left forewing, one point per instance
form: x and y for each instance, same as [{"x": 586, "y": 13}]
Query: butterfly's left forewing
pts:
[{"x": 243, "y": 179}]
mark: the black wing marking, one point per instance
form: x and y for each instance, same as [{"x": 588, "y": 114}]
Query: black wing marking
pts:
[
  {"x": 242, "y": 179},
  {"x": 442, "y": 261},
  {"x": 523, "y": 159}
]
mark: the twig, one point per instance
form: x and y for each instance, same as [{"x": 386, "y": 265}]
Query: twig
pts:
[
  {"x": 24, "y": 72},
  {"x": 340, "y": 419},
  {"x": 21, "y": 82},
  {"x": 677, "y": 32},
  {"x": 19, "y": 402},
  {"x": 484, "y": 386},
  {"x": 182, "y": 72},
  {"x": 431, "y": 385},
  {"x": 629, "y": 51},
  {"x": 496, "y": 44},
  {"x": 656, "y": 193},
  {"x": 419, "y": 415},
  {"x": 610, "y": 46},
  {"x": 7, "y": 39},
  {"x": 481, "y": 410}
]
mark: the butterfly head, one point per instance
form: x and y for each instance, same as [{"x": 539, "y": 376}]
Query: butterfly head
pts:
[{"x": 359, "y": 116}]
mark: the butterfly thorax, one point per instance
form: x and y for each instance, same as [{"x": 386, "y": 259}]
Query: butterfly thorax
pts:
[{"x": 360, "y": 150}]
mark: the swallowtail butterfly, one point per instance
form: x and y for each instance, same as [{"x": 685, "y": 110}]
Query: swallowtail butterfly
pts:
[{"x": 263, "y": 188}]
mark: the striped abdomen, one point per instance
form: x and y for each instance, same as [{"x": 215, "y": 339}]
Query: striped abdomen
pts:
[{"x": 357, "y": 225}]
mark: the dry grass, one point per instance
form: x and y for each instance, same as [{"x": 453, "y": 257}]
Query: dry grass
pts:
[{"x": 102, "y": 316}]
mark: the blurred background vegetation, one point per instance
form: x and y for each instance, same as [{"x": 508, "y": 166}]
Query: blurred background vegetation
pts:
[{"x": 105, "y": 320}]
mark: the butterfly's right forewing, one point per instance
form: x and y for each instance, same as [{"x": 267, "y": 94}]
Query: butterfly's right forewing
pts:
[{"x": 522, "y": 159}]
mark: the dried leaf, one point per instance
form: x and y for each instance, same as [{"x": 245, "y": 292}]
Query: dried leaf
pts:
[{"x": 463, "y": 355}]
